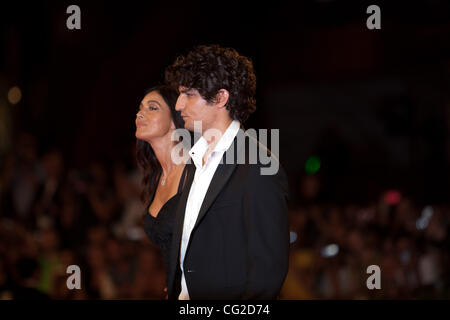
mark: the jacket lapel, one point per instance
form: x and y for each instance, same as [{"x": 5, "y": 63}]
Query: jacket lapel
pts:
[{"x": 220, "y": 178}]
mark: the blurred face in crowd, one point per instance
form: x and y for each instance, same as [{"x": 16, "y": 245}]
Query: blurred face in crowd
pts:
[{"x": 154, "y": 119}]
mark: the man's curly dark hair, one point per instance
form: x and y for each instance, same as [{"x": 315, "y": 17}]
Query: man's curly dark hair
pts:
[{"x": 211, "y": 68}]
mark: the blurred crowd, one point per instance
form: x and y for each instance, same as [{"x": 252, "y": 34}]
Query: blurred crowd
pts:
[
  {"x": 335, "y": 245},
  {"x": 53, "y": 216}
]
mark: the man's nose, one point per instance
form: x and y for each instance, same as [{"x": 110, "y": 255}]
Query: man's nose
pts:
[{"x": 180, "y": 103}]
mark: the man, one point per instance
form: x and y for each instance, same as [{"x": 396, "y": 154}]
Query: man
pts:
[{"x": 231, "y": 236}]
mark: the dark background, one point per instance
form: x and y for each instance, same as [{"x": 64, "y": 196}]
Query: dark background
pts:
[{"x": 373, "y": 105}]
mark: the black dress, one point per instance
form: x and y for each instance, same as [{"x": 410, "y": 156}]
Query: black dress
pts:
[{"x": 159, "y": 230}]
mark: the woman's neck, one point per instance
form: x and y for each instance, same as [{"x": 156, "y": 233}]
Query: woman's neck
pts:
[
  {"x": 162, "y": 146},
  {"x": 163, "y": 154}
]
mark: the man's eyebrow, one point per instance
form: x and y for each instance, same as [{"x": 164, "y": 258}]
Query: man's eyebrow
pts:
[{"x": 186, "y": 90}]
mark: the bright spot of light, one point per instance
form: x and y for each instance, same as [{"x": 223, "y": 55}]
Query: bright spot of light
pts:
[
  {"x": 14, "y": 95},
  {"x": 330, "y": 250},
  {"x": 427, "y": 212},
  {"x": 422, "y": 222},
  {"x": 292, "y": 236},
  {"x": 392, "y": 197},
  {"x": 312, "y": 165}
]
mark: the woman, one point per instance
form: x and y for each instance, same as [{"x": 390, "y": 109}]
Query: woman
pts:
[{"x": 163, "y": 179}]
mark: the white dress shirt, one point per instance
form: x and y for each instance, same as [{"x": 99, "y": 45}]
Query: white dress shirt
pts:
[{"x": 200, "y": 184}]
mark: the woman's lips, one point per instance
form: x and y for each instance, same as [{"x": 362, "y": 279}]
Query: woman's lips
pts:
[{"x": 140, "y": 124}]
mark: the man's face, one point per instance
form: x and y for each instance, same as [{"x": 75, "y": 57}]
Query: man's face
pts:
[{"x": 194, "y": 108}]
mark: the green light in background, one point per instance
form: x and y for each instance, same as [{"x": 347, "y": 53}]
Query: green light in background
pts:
[{"x": 312, "y": 165}]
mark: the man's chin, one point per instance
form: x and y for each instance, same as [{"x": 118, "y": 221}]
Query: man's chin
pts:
[{"x": 189, "y": 127}]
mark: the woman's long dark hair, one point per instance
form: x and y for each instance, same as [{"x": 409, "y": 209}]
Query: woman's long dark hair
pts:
[{"x": 145, "y": 155}]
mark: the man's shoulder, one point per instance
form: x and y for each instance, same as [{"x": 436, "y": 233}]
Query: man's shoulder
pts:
[{"x": 251, "y": 154}]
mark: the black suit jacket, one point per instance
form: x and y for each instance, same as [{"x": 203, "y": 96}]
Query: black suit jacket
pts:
[{"x": 239, "y": 246}]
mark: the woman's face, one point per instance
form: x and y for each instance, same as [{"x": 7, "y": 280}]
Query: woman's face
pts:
[{"x": 154, "y": 118}]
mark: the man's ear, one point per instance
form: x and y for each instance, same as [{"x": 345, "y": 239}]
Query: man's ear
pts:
[{"x": 222, "y": 98}]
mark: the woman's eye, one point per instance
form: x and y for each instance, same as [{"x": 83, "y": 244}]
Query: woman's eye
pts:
[{"x": 152, "y": 108}]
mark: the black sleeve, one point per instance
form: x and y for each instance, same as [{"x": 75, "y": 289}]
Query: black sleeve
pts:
[{"x": 267, "y": 226}]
